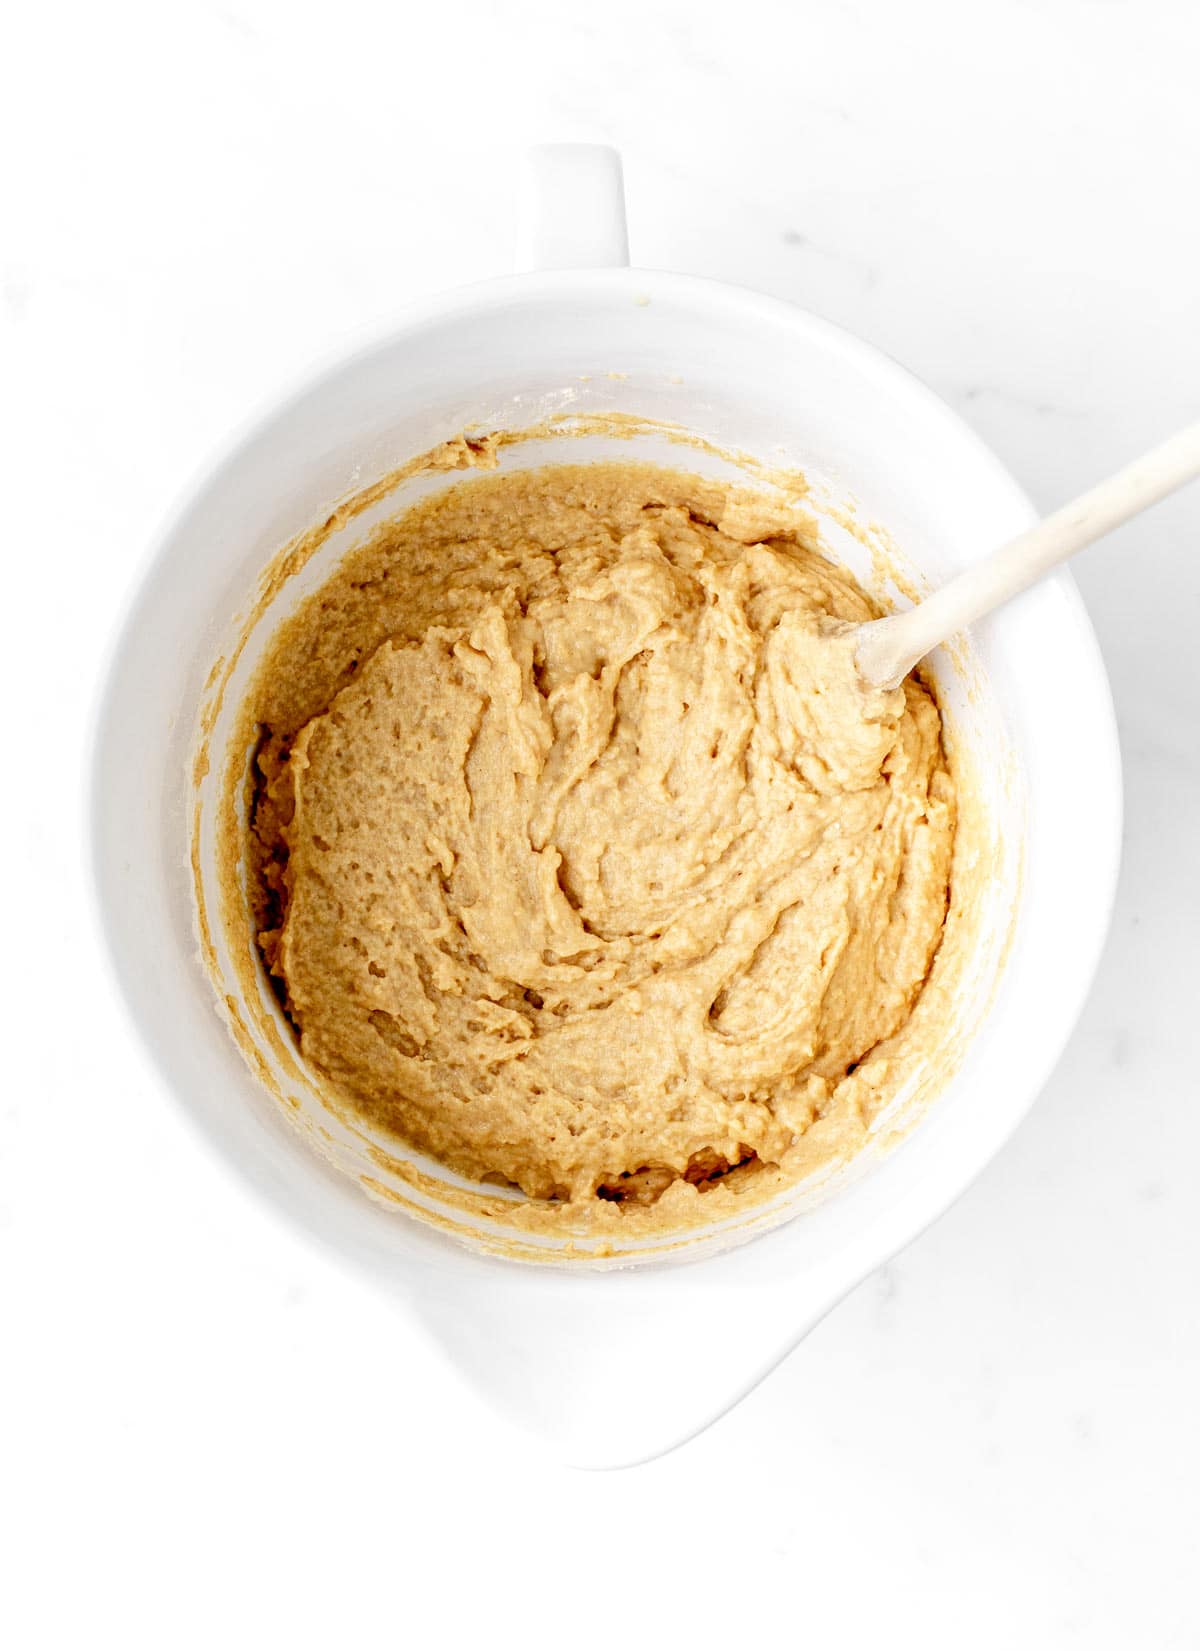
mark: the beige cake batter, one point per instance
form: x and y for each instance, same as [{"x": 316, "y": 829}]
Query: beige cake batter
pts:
[{"x": 580, "y": 857}]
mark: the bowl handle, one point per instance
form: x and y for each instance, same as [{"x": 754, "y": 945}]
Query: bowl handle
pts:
[
  {"x": 607, "y": 1370},
  {"x": 572, "y": 208}
]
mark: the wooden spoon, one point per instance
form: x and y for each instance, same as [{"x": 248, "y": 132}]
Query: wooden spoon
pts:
[{"x": 887, "y": 649}]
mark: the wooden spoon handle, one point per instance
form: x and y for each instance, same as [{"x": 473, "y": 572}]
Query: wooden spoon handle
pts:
[{"x": 889, "y": 648}]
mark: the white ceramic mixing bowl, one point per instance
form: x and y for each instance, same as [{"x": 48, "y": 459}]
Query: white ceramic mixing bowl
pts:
[{"x": 614, "y": 1366}]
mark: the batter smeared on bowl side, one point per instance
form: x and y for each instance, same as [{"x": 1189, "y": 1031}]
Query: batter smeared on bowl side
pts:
[{"x": 580, "y": 858}]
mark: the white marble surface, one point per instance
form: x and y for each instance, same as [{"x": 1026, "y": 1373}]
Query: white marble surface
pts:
[{"x": 208, "y": 1435}]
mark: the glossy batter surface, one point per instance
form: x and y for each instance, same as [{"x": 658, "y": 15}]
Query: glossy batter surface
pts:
[{"x": 581, "y": 858}]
